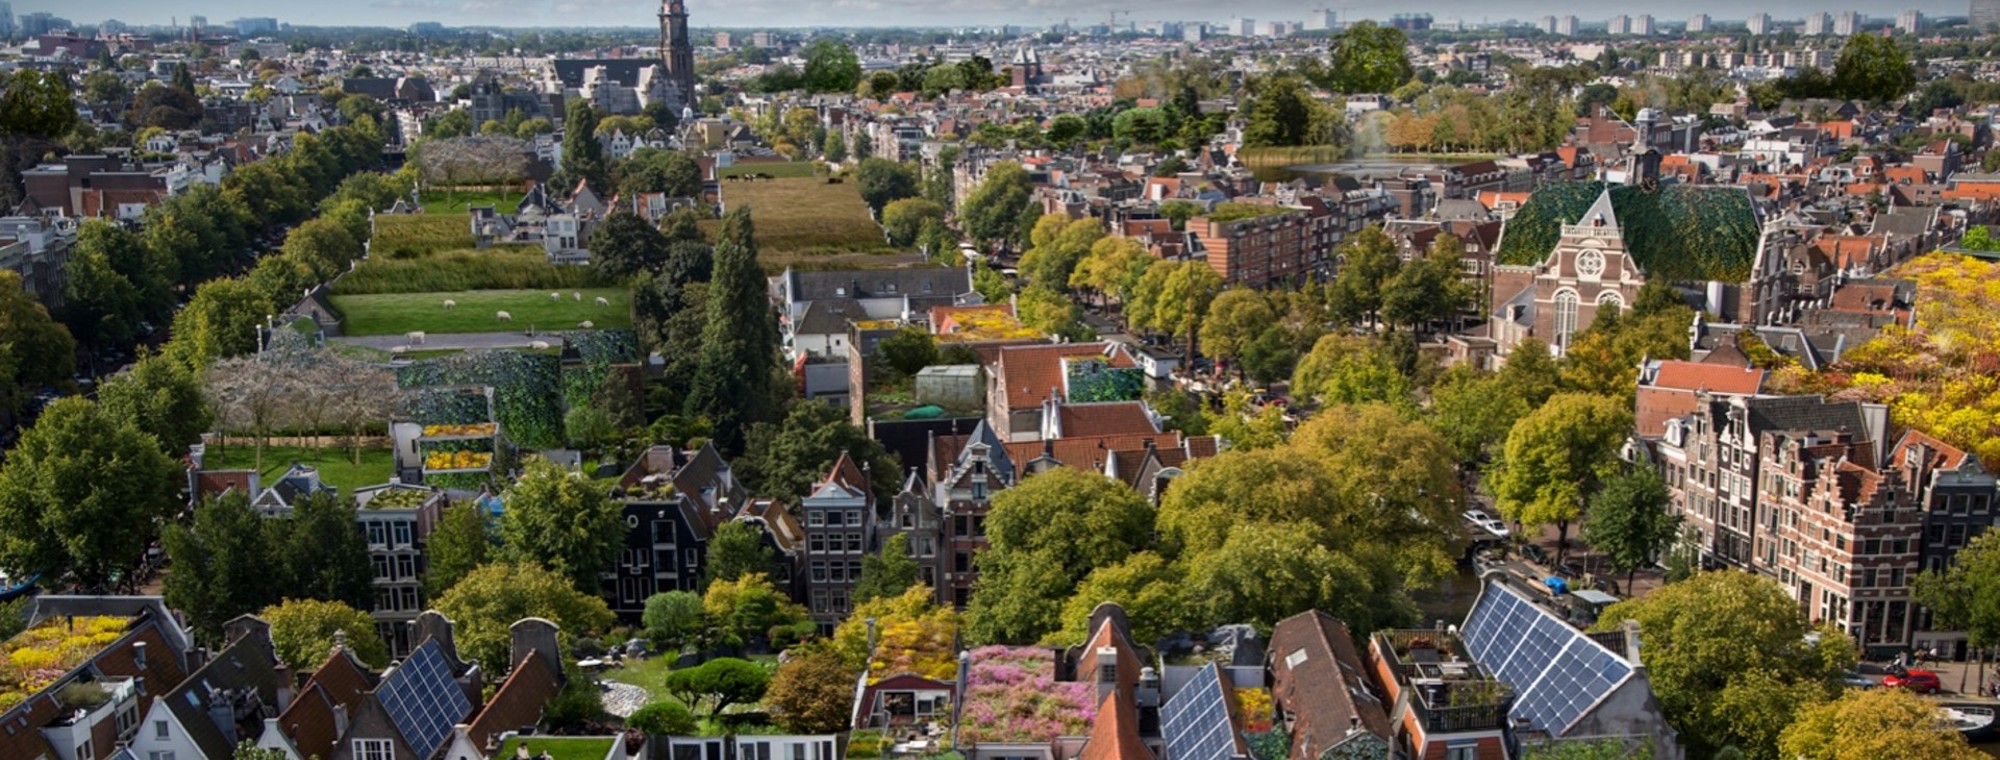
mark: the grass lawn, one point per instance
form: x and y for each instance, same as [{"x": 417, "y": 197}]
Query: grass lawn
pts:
[
  {"x": 441, "y": 201},
  {"x": 399, "y": 313},
  {"x": 801, "y": 219},
  {"x": 405, "y": 235},
  {"x": 773, "y": 168},
  {"x": 335, "y": 464},
  {"x": 560, "y": 747},
  {"x": 651, "y": 674},
  {"x": 506, "y": 267}
]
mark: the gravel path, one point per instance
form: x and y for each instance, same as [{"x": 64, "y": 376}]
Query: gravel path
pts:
[{"x": 622, "y": 699}]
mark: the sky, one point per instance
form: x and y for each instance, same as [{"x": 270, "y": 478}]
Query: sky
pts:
[{"x": 790, "y": 13}]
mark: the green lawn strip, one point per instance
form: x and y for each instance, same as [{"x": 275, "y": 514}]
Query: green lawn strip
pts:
[
  {"x": 559, "y": 747},
  {"x": 335, "y": 463},
  {"x": 458, "y": 201},
  {"x": 415, "y": 234},
  {"x": 775, "y": 168},
  {"x": 475, "y": 311}
]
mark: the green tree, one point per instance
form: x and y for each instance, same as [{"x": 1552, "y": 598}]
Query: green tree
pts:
[
  {"x": 1872, "y": 723},
  {"x": 654, "y": 170},
  {"x": 831, "y": 67},
  {"x": 1873, "y": 68},
  {"x": 1172, "y": 297},
  {"x": 834, "y": 147},
  {"x": 458, "y": 123},
  {"x": 492, "y": 598},
  {"x": 1368, "y": 58},
  {"x": 1047, "y": 534},
  {"x": 582, "y": 155},
  {"x": 1266, "y": 572},
  {"x": 663, "y": 719},
  {"x": 908, "y": 351},
  {"x": 719, "y": 683},
  {"x": 626, "y": 243},
  {"x": 161, "y": 397},
  {"x": 1368, "y": 263},
  {"x": 325, "y": 553},
  {"x": 248, "y": 750},
  {"x": 113, "y": 285},
  {"x": 562, "y": 521},
  {"x": 1966, "y": 596},
  {"x": 1058, "y": 245},
  {"x": 1237, "y": 318},
  {"x": 904, "y": 219},
  {"x": 749, "y": 607},
  {"x": 732, "y": 386},
  {"x": 882, "y": 181},
  {"x": 1429, "y": 289},
  {"x": 1285, "y": 114},
  {"x": 1557, "y": 458},
  {"x": 1113, "y": 267},
  {"x": 737, "y": 550},
  {"x": 36, "y": 103},
  {"x": 1150, "y": 589},
  {"x": 35, "y": 350},
  {"x": 1474, "y": 411},
  {"x": 220, "y": 321},
  {"x": 1629, "y": 521},
  {"x": 787, "y": 458},
  {"x": 1532, "y": 371},
  {"x": 462, "y": 541},
  {"x": 812, "y": 693},
  {"x": 1730, "y": 661},
  {"x": 672, "y": 618},
  {"x": 303, "y": 631},
  {"x": 888, "y": 572},
  {"x": 222, "y": 565},
  {"x": 65, "y": 518},
  {"x": 992, "y": 212},
  {"x": 1141, "y": 126}
]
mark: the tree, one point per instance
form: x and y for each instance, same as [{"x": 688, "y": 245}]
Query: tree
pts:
[
  {"x": 456, "y": 122},
  {"x": 737, "y": 550},
  {"x": 562, "y": 521},
  {"x": 1871, "y": 723},
  {"x": 1629, "y": 521},
  {"x": 1285, "y": 114},
  {"x": 882, "y": 181},
  {"x": 1113, "y": 267},
  {"x": 488, "y": 158},
  {"x": 1730, "y": 661},
  {"x": 1047, "y": 534},
  {"x": 1059, "y": 243},
  {"x": 582, "y": 155},
  {"x": 1966, "y": 596},
  {"x": 812, "y": 693},
  {"x": 1873, "y": 68},
  {"x": 248, "y": 750},
  {"x": 326, "y": 554},
  {"x": 1369, "y": 262},
  {"x": 110, "y": 287},
  {"x": 626, "y": 243},
  {"x": 222, "y": 565},
  {"x": 1474, "y": 411},
  {"x": 888, "y": 572},
  {"x": 80, "y": 493},
  {"x": 1531, "y": 370},
  {"x": 749, "y": 608},
  {"x": 462, "y": 541},
  {"x": 304, "y": 631},
  {"x": 1429, "y": 289},
  {"x": 833, "y": 148},
  {"x": 37, "y": 350},
  {"x": 672, "y": 618},
  {"x": 831, "y": 67},
  {"x": 37, "y": 103},
  {"x": 1173, "y": 296},
  {"x": 1150, "y": 589},
  {"x": 1367, "y": 58},
  {"x": 484, "y": 605},
  {"x": 1556, "y": 459},
  {"x": 1266, "y": 572},
  {"x": 720, "y": 682},
  {"x": 738, "y": 344},
  {"x": 908, "y": 351},
  {"x": 785, "y": 459},
  {"x": 161, "y": 397},
  {"x": 992, "y": 212},
  {"x": 653, "y": 170},
  {"x": 1141, "y": 126},
  {"x": 663, "y": 719},
  {"x": 904, "y": 218},
  {"x": 1237, "y": 318},
  {"x": 220, "y": 321}
]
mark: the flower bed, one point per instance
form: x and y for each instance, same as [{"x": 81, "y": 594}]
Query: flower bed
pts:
[
  {"x": 398, "y": 498},
  {"x": 1012, "y": 695},
  {"x": 459, "y": 480},
  {"x": 477, "y": 430},
  {"x": 36, "y": 657}
]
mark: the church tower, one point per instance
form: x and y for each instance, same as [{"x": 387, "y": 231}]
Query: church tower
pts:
[{"x": 676, "y": 50}]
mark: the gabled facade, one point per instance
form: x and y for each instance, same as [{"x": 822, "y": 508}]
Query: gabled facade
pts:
[
  {"x": 1556, "y": 300},
  {"x": 397, "y": 520},
  {"x": 839, "y": 531},
  {"x": 965, "y": 472}
]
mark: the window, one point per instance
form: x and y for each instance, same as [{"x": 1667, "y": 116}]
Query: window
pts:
[
  {"x": 854, "y": 543},
  {"x": 1462, "y": 752},
  {"x": 374, "y": 749},
  {"x": 833, "y": 518},
  {"x": 377, "y": 534},
  {"x": 159, "y": 729},
  {"x": 406, "y": 567},
  {"x": 978, "y": 490},
  {"x": 1610, "y": 300},
  {"x": 160, "y": 754},
  {"x": 854, "y": 517},
  {"x": 815, "y": 518},
  {"x": 402, "y": 533},
  {"x": 1566, "y": 302}
]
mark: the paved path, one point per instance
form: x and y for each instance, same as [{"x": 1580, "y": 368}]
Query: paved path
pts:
[{"x": 449, "y": 341}]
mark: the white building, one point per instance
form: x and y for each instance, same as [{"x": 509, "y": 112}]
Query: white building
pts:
[
  {"x": 1846, "y": 23},
  {"x": 1759, "y": 23},
  {"x": 1910, "y": 22},
  {"x": 1818, "y": 24},
  {"x": 1567, "y": 26},
  {"x": 1697, "y": 23},
  {"x": 1643, "y": 24},
  {"x": 1322, "y": 18},
  {"x": 1619, "y": 24},
  {"x": 1547, "y": 25}
]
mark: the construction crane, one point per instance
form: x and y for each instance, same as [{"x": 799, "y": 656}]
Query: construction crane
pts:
[{"x": 1114, "y": 19}]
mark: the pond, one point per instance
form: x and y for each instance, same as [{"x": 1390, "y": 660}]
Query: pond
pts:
[{"x": 1360, "y": 167}]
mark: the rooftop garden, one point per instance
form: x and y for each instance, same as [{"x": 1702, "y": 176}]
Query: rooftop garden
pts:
[
  {"x": 1681, "y": 232},
  {"x": 336, "y": 467},
  {"x": 1012, "y": 695},
  {"x": 1231, "y": 212},
  {"x": 986, "y": 324},
  {"x": 560, "y": 747},
  {"x": 398, "y": 498},
  {"x": 35, "y": 658}
]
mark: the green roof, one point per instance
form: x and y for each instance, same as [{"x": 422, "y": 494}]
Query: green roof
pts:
[
  {"x": 1681, "y": 232},
  {"x": 559, "y": 747}
]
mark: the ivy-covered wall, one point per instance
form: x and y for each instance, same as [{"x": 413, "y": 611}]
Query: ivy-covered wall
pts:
[{"x": 1680, "y": 232}]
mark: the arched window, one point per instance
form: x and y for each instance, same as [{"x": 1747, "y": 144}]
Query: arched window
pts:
[
  {"x": 1566, "y": 301},
  {"x": 1610, "y": 300}
]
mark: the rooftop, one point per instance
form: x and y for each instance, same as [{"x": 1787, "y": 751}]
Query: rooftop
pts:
[
  {"x": 35, "y": 658},
  {"x": 1682, "y": 232},
  {"x": 561, "y": 747},
  {"x": 1012, "y": 696}
]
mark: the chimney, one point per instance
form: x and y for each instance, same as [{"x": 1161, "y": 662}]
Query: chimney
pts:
[
  {"x": 1148, "y": 693},
  {"x": 139, "y": 654},
  {"x": 1631, "y": 630},
  {"x": 1353, "y": 724}
]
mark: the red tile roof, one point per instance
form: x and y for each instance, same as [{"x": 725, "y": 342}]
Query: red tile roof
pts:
[
  {"x": 1106, "y": 419},
  {"x": 517, "y": 703},
  {"x": 1690, "y": 376},
  {"x": 315, "y": 717},
  {"x": 1031, "y": 372}
]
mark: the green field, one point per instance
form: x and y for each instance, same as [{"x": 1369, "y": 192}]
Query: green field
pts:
[
  {"x": 335, "y": 464},
  {"x": 408, "y": 235},
  {"x": 559, "y": 747},
  {"x": 802, "y": 219},
  {"x": 509, "y": 267},
  {"x": 399, "y": 313},
  {"x": 774, "y": 168},
  {"x": 442, "y": 202}
]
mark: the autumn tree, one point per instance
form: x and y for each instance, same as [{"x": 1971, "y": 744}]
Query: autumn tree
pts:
[
  {"x": 750, "y": 608},
  {"x": 304, "y": 632},
  {"x": 488, "y": 601},
  {"x": 1173, "y": 297},
  {"x": 1873, "y": 723},
  {"x": 80, "y": 494},
  {"x": 1058, "y": 244},
  {"x": 812, "y": 693},
  {"x": 562, "y": 521},
  {"x": 1557, "y": 458}
]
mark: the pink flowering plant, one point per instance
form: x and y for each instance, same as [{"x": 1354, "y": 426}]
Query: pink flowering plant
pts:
[{"x": 1012, "y": 696}]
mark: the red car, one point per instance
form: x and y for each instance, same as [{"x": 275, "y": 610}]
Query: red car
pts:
[{"x": 1919, "y": 681}]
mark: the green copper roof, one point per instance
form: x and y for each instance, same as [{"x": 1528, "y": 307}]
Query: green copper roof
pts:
[{"x": 1681, "y": 232}]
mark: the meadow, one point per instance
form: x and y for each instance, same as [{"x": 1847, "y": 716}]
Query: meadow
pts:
[
  {"x": 399, "y": 313},
  {"x": 458, "y": 201},
  {"x": 799, "y": 220},
  {"x": 335, "y": 463},
  {"x": 407, "y": 235},
  {"x": 780, "y": 169},
  {"x": 508, "y": 267}
]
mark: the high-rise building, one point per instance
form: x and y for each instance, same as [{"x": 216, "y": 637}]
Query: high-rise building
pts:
[
  {"x": 1818, "y": 24},
  {"x": 6, "y": 20},
  {"x": 722, "y": 40},
  {"x": 1846, "y": 23},
  {"x": 1566, "y": 26},
  {"x": 246, "y": 27},
  {"x": 1243, "y": 27},
  {"x": 1697, "y": 23},
  {"x": 1619, "y": 24},
  {"x": 1910, "y": 22},
  {"x": 676, "y": 50},
  {"x": 1760, "y": 23},
  {"x": 1983, "y": 14},
  {"x": 1547, "y": 25},
  {"x": 41, "y": 22},
  {"x": 1322, "y": 18},
  {"x": 1642, "y": 24}
]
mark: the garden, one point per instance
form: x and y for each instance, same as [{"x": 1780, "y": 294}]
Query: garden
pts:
[
  {"x": 36, "y": 657},
  {"x": 804, "y": 221},
  {"x": 476, "y": 311},
  {"x": 559, "y": 747},
  {"x": 336, "y": 467},
  {"x": 1012, "y": 696}
]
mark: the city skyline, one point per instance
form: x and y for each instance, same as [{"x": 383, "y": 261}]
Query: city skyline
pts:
[{"x": 892, "y": 13}]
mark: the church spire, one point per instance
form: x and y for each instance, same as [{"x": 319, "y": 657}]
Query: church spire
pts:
[{"x": 676, "y": 49}]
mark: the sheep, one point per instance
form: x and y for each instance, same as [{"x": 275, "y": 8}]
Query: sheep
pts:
[
  {"x": 555, "y": 296},
  {"x": 400, "y": 350},
  {"x": 540, "y": 345},
  {"x": 578, "y": 297},
  {"x": 503, "y": 316},
  {"x": 450, "y": 304},
  {"x": 602, "y": 301},
  {"x": 416, "y": 337},
  {"x": 585, "y": 324}
]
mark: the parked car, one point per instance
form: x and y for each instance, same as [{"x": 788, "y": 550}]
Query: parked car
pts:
[
  {"x": 1486, "y": 521},
  {"x": 1855, "y": 680},
  {"x": 1919, "y": 681}
]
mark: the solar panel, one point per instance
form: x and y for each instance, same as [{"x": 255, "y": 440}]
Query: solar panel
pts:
[
  {"x": 423, "y": 700},
  {"x": 1195, "y": 721},
  {"x": 1556, "y": 671}
]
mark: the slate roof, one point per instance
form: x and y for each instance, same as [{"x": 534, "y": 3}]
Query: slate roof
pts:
[
  {"x": 624, "y": 71},
  {"x": 242, "y": 677},
  {"x": 879, "y": 283},
  {"x": 1804, "y": 413},
  {"x": 1681, "y": 232}
]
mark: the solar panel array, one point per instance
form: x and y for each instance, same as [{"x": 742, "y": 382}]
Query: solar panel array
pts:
[
  {"x": 1195, "y": 721},
  {"x": 423, "y": 700},
  {"x": 1556, "y": 671}
]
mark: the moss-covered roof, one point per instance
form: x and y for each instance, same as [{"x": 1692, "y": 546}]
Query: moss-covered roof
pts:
[{"x": 1681, "y": 232}]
